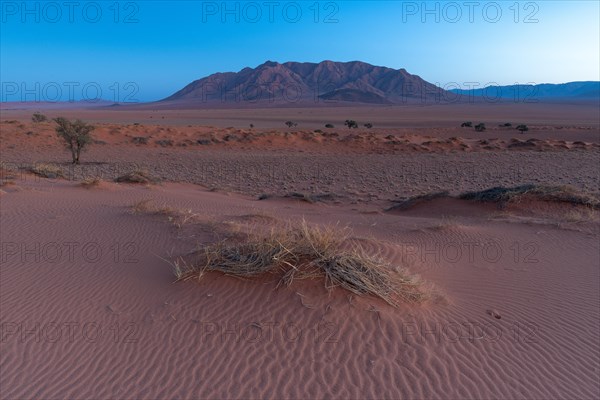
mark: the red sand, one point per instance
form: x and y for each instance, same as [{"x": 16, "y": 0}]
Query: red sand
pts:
[{"x": 89, "y": 308}]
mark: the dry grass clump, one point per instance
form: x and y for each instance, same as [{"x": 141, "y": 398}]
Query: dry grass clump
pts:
[
  {"x": 91, "y": 182},
  {"x": 4, "y": 183},
  {"x": 179, "y": 218},
  {"x": 146, "y": 206},
  {"x": 141, "y": 207},
  {"x": 582, "y": 214},
  {"x": 302, "y": 252},
  {"x": 446, "y": 222},
  {"x": 47, "y": 171},
  {"x": 139, "y": 176},
  {"x": 562, "y": 194},
  {"x": 7, "y": 174},
  {"x": 413, "y": 201}
]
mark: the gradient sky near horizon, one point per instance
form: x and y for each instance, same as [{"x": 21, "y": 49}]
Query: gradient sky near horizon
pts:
[{"x": 146, "y": 50}]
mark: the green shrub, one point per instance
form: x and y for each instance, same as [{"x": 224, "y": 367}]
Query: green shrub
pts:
[{"x": 76, "y": 134}]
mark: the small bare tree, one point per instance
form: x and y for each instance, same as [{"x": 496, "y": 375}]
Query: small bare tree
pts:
[
  {"x": 76, "y": 134},
  {"x": 522, "y": 128}
]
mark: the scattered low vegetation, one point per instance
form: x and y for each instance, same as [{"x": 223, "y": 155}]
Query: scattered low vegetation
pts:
[
  {"x": 76, "y": 135},
  {"x": 563, "y": 194},
  {"x": 37, "y": 118},
  {"x": 466, "y": 125},
  {"x": 329, "y": 126},
  {"x": 413, "y": 201},
  {"x": 139, "y": 176},
  {"x": 507, "y": 195},
  {"x": 480, "y": 127},
  {"x": 368, "y": 125},
  {"x": 47, "y": 171},
  {"x": 506, "y": 125},
  {"x": 302, "y": 252}
]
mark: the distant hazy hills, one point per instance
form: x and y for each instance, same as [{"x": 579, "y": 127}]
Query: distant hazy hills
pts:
[
  {"x": 322, "y": 83},
  {"x": 545, "y": 91}
]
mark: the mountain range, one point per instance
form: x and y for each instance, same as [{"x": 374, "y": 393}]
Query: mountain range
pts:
[
  {"x": 330, "y": 83},
  {"x": 295, "y": 83}
]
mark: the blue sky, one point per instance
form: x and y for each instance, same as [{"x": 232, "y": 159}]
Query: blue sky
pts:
[{"x": 146, "y": 50}]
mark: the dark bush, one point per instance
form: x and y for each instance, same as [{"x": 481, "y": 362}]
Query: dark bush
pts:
[
  {"x": 140, "y": 140},
  {"x": 351, "y": 124},
  {"x": 37, "y": 117},
  {"x": 164, "y": 143}
]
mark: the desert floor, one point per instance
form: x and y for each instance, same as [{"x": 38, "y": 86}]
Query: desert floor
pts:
[{"x": 89, "y": 307}]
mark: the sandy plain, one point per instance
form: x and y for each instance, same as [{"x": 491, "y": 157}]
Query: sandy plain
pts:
[{"x": 89, "y": 307}]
